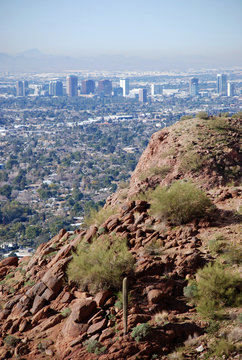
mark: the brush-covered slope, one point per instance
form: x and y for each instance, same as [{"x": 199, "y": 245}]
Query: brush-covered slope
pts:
[
  {"x": 207, "y": 151},
  {"x": 64, "y": 302}
]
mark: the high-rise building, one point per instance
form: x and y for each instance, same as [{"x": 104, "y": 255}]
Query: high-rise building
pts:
[
  {"x": 118, "y": 91},
  {"x": 222, "y": 84},
  {"x": 143, "y": 95},
  {"x": 25, "y": 87},
  {"x": 56, "y": 88},
  {"x": 230, "y": 89},
  {"x": 156, "y": 89},
  {"x": 124, "y": 84},
  {"x": 71, "y": 85},
  {"x": 19, "y": 88},
  {"x": 193, "y": 86},
  {"x": 88, "y": 86},
  {"x": 22, "y": 88},
  {"x": 104, "y": 87}
]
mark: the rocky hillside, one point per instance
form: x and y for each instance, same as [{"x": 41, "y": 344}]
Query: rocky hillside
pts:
[{"x": 47, "y": 313}]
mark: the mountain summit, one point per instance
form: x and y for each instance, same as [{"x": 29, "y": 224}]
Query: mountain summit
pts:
[{"x": 173, "y": 233}]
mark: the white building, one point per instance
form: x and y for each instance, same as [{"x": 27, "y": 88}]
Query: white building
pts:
[{"x": 124, "y": 84}]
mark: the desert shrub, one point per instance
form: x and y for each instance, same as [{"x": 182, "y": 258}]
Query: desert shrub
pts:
[
  {"x": 213, "y": 327},
  {"x": 202, "y": 115},
  {"x": 217, "y": 244},
  {"x": 180, "y": 203},
  {"x": 222, "y": 348},
  {"x": 161, "y": 318},
  {"x": 186, "y": 117},
  {"x": 97, "y": 217},
  {"x": 29, "y": 283},
  {"x": 94, "y": 347},
  {"x": 232, "y": 255},
  {"x": 191, "y": 162},
  {"x": 218, "y": 124},
  {"x": 66, "y": 312},
  {"x": 217, "y": 287},
  {"x": 9, "y": 276},
  {"x": 101, "y": 264},
  {"x": 237, "y": 115},
  {"x": 11, "y": 340},
  {"x": 190, "y": 291},
  {"x": 140, "y": 331}
]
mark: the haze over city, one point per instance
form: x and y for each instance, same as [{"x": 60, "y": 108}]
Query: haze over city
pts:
[{"x": 155, "y": 34}]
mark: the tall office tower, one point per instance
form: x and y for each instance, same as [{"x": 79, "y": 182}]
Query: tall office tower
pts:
[
  {"x": 124, "y": 84},
  {"x": 71, "y": 85},
  {"x": 104, "y": 87},
  {"x": 156, "y": 89},
  {"x": 51, "y": 88},
  {"x": 88, "y": 86},
  {"x": 25, "y": 87},
  {"x": 222, "y": 84},
  {"x": 143, "y": 95},
  {"x": 19, "y": 88},
  {"x": 193, "y": 87},
  {"x": 230, "y": 89},
  {"x": 56, "y": 88}
]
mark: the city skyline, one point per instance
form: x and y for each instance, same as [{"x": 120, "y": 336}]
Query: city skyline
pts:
[{"x": 152, "y": 30}]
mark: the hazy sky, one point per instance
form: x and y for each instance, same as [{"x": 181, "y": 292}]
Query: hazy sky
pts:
[{"x": 129, "y": 27}]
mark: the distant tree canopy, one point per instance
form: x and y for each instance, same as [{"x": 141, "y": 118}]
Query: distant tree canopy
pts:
[
  {"x": 13, "y": 211},
  {"x": 6, "y": 190},
  {"x": 33, "y": 231}
]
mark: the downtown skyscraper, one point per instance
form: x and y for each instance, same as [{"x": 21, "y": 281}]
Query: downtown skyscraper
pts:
[
  {"x": 124, "y": 84},
  {"x": 71, "y": 85},
  {"x": 193, "y": 86},
  {"x": 222, "y": 84}
]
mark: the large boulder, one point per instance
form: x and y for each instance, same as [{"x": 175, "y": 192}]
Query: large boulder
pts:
[{"x": 9, "y": 261}]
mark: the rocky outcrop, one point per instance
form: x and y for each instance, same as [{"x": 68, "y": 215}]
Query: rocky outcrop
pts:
[{"x": 50, "y": 317}]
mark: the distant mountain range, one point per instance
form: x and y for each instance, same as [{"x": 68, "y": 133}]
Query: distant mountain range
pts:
[{"x": 35, "y": 61}]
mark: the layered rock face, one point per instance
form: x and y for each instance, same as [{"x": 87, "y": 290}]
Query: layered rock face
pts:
[{"x": 42, "y": 314}]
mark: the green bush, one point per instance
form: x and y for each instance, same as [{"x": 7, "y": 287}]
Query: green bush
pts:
[
  {"x": 202, "y": 115},
  {"x": 218, "y": 124},
  {"x": 94, "y": 347},
  {"x": 140, "y": 331},
  {"x": 101, "y": 264},
  {"x": 66, "y": 312},
  {"x": 180, "y": 203},
  {"x": 11, "y": 340},
  {"x": 232, "y": 255},
  {"x": 222, "y": 348},
  {"x": 191, "y": 162},
  {"x": 217, "y": 287},
  {"x": 190, "y": 291},
  {"x": 98, "y": 217},
  {"x": 217, "y": 244}
]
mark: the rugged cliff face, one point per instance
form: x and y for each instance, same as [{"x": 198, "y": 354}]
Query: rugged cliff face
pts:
[{"x": 45, "y": 316}]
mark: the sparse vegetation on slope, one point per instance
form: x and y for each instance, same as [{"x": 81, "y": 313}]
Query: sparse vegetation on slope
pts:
[
  {"x": 216, "y": 288},
  {"x": 100, "y": 265},
  {"x": 180, "y": 203}
]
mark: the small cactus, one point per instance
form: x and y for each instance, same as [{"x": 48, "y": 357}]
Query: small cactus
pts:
[{"x": 125, "y": 304}]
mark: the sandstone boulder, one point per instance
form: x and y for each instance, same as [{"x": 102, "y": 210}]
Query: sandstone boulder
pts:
[{"x": 10, "y": 261}]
